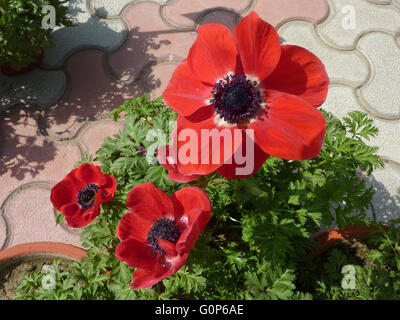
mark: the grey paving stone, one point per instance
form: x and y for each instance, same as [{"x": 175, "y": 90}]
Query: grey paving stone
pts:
[
  {"x": 381, "y": 93},
  {"x": 39, "y": 86},
  {"x": 347, "y": 67},
  {"x": 89, "y": 31},
  {"x": 349, "y": 19}
]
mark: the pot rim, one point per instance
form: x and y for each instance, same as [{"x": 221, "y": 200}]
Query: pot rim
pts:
[
  {"x": 330, "y": 237},
  {"x": 42, "y": 247}
]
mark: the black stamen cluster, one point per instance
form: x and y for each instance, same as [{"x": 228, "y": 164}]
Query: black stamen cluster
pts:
[
  {"x": 235, "y": 98},
  {"x": 87, "y": 195},
  {"x": 163, "y": 228}
]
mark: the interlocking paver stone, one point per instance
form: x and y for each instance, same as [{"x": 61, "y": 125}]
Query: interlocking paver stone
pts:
[
  {"x": 39, "y": 86},
  {"x": 347, "y": 67},
  {"x": 349, "y": 19},
  {"x": 163, "y": 72},
  {"x": 343, "y": 99},
  {"x": 92, "y": 94},
  {"x": 277, "y": 12},
  {"x": 93, "y": 136},
  {"x": 90, "y": 31},
  {"x": 113, "y": 8},
  {"x": 149, "y": 39},
  {"x": 381, "y": 93},
  {"x": 32, "y": 219}
]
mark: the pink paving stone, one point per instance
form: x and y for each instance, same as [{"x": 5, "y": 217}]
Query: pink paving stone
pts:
[
  {"x": 149, "y": 39},
  {"x": 32, "y": 219},
  {"x": 27, "y": 156},
  {"x": 275, "y": 12},
  {"x": 92, "y": 95},
  {"x": 185, "y": 13},
  {"x": 163, "y": 73},
  {"x": 93, "y": 137}
]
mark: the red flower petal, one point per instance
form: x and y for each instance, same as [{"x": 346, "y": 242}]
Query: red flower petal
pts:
[
  {"x": 168, "y": 247},
  {"x": 254, "y": 162},
  {"x": 88, "y": 173},
  {"x": 185, "y": 93},
  {"x": 136, "y": 254},
  {"x": 196, "y": 220},
  {"x": 201, "y": 148},
  {"x": 108, "y": 189},
  {"x": 164, "y": 158},
  {"x": 63, "y": 193},
  {"x": 144, "y": 278},
  {"x": 213, "y": 54},
  {"x": 258, "y": 44},
  {"x": 300, "y": 73},
  {"x": 178, "y": 177},
  {"x": 77, "y": 217},
  {"x": 134, "y": 226},
  {"x": 149, "y": 201},
  {"x": 189, "y": 198},
  {"x": 290, "y": 128}
]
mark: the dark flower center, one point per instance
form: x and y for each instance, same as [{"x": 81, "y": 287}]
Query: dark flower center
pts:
[
  {"x": 163, "y": 228},
  {"x": 235, "y": 98},
  {"x": 87, "y": 195}
]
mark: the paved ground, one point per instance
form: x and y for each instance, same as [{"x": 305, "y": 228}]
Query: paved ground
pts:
[{"x": 123, "y": 48}]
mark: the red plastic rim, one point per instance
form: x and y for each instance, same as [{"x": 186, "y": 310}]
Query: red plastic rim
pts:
[
  {"x": 328, "y": 238},
  {"x": 67, "y": 250}
]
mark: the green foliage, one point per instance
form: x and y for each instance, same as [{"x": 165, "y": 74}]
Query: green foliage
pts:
[
  {"x": 270, "y": 282},
  {"x": 21, "y": 32},
  {"x": 257, "y": 244}
]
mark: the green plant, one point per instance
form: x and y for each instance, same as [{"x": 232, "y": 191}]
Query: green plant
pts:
[
  {"x": 21, "y": 32},
  {"x": 256, "y": 245}
]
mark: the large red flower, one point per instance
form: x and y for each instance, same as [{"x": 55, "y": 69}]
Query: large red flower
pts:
[
  {"x": 246, "y": 81},
  {"x": 79, "y": 195},
  {"x": 159, "y": 231}
]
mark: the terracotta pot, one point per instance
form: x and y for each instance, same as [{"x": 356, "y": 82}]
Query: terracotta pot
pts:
[
  {"x": 330, "y": 237},
  {"x": 9, "y": 71},
  {"x": 31, "y": 251}
]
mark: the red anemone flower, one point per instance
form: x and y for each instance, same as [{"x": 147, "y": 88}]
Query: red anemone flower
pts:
[
  {"x": 159, "y": 231},
  {"x": 79, "y": 195},
  {"x": 247, "y": 81}
]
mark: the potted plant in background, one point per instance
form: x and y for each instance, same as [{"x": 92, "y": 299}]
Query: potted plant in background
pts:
[
  {"x": 22, "y": 37},
  {"x": 42, "y": 257}
]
